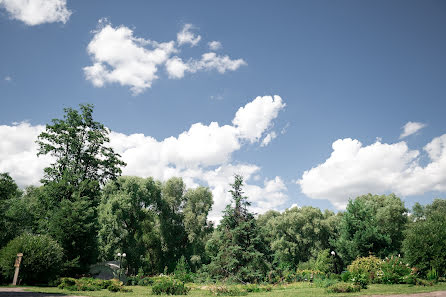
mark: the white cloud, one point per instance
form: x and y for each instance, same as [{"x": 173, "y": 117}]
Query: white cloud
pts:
[
  {"x": 18, "y": 153},
  {"x": 8, "y": 78},
  {"x": 200, "y": 155},
  {"x": 256, "y": 116},
  {"x": 270, "y": 136},
  {"x": 214, "y": 45},
  {"x": 36, "y": 12},
  {"x": 120, "y": 57},
  {"x": 411, "y": 128},
  {"x": 186, "y": 36},
  {"x": 354, "y": 169},
  {"x": 210, "y": 61}
]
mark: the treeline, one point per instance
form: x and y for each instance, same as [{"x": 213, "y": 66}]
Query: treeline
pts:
[{"x": 85, "y": 212}]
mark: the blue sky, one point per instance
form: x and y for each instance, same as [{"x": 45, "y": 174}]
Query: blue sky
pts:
[{"x": 353, "y": 71}]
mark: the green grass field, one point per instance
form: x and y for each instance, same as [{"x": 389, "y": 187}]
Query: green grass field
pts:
[{"x": 295, "y": 289}]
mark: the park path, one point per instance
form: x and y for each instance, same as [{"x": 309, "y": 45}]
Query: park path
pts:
[{"x": 20, "y": 292}]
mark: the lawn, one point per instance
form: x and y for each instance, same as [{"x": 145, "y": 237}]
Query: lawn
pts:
[{"x": 295, "y": 289}]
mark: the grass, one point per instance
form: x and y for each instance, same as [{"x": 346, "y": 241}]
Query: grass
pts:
[{"x": 295, "y": 289}]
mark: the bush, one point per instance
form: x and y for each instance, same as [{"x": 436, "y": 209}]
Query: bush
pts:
[
  {"x": 325, "y": 261},
  {"x": 256, "y": 288},
  {"x": 91, "y": 284},
  {"x": 169, "y": 286},
  {"x": 432, "y": 275},
  {"x": 41, "y": 262},
  {"x": 394, "y": 271},
  {"x": 345, "y": 276},
  {"x": 227, "y": 291},
  {"x": 368, "y": 267},
  {"x": 308, "y": 275},
  {"x": 182, "y": 271},
  {"x": 343, "y": 288}
]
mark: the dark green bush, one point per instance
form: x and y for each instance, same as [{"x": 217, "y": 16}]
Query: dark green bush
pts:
[
  {"x": 169, "y": 286},
  {"x": 362, "y": 280},
  {"x": 41, "y": 262},
  {"x": 343, "y": 288},
  {"x": 256, "y": 288},
  {"x": 345, "y": 276}
]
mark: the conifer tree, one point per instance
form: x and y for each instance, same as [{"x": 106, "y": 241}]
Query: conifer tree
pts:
[{"x": 239, "y": 251}]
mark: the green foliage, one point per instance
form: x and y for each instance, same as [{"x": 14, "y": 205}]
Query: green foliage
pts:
[
  {"x": 365, "y": 268},
  {"x": 227, "y": 291},
  {"x": 432, "y": 275},
  {"x": 372, "y": 224},
  {"x": 91, "y": 284},
  {"x": 343, "y": 288},
  {"x": 182, "y": 271},
  {"x": 298, "y": 233},
  {"x": 169, "y": 286},
  {"x": 41, "y": 262},
  {"x": 83, "y": 162},
  {"x": 345, "y": 276},
  {"x": 324, "y": 283},
  {"x": 394, "y": 271},
  {"x": 325, "y": 262},
  {"x": 236, "y": 248},
  {"x": 127, "y": 220},
  {"x": 424, "y": 244}
]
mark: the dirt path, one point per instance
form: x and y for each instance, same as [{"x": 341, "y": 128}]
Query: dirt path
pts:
[{"x": 20, "y": 292}]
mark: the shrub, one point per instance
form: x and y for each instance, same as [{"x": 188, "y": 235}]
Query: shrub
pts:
[
  {"x": 182, "y": 271},
  {"x": 308, "y": 275},
  {"x": 343, "y": 288},
  {"x": 361, "y": 280},
  {"x": 41, "y": 262},
  {"x": 91, "y": 284},
  {"x": 345, "y": 276},
  {"x": 325, "y": 261},
  {"x": 365, "y": 266},
  {"x": 227, "y": 291},
  {"x": 394, "y": 271},
  {"x": 432, "y": 275},
  {"x": 169, "y": 286},
  {"x": 256, "y": 288}
]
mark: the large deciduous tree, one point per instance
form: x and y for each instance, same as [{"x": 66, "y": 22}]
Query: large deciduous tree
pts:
[
  {"x": 82, "y": 163},
  {"x": 372, "y": 224},
  {"x": 424, "y": 245}
]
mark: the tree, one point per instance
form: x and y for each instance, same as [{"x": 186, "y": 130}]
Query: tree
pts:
[
  {"x": 424, "y": 245},
  {"x": 298, "y": 234},
  {"x": 238, "y": 252},
  {"x": 83, "y": 162},
  {"x": 78, "y": 144},
  {"x": 372, "y": 224},
  {"x": 8, "y": 191},
  {"x": 198, "y": 204},
  {"x": 127, "y": 218}
]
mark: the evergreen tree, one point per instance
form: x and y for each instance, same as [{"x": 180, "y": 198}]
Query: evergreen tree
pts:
[{"x": 238, "y": 248}]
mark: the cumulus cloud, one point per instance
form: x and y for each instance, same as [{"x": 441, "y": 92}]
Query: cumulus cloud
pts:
[
  {"x": 176, "y": 67},
  {"x": 411, "y": 128},
  {"x": 270, "y": 136},
  {"x": 256, "y": 116},
  {"x": 354, "y": 169},
  {"x": 18, "y": 153},
  {"x": 120, "y": 57},
  {"x": 8, "y": 78},
  {"x": 202, "y": 155},
  {"x": 36, "y": 12},
  {"x": 214, "y": 45},
  {"x": 186, "y": 36}
]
